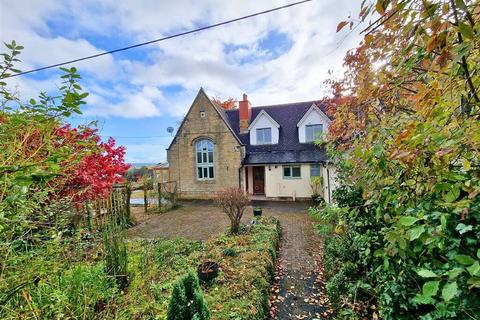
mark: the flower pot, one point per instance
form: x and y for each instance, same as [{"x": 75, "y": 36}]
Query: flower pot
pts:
[
  {"x": 257, "y": 212},
  {"x": 317, "y": 200},
  {"x": 208, "y": 271}
]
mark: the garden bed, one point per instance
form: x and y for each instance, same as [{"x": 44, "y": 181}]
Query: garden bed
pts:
[{"x": 80, "y": 288}]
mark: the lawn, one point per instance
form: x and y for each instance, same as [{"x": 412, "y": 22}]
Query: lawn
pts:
[{"x": 71, "y": 282}]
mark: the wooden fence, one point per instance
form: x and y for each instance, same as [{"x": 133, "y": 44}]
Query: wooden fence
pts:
[
  {"x": 161, "y": 196},
  {"x": 117, "y": 204}
]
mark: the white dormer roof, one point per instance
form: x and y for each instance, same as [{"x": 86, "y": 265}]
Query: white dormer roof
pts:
[
  {"x": 313, "y": 108},
  {"x": 259, "y": 116}
]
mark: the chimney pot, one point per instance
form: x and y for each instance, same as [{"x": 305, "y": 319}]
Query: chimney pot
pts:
[{"x": 245, "y": 97}]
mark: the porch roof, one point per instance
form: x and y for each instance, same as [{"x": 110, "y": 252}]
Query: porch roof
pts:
[{"x": 284, "y": 157}]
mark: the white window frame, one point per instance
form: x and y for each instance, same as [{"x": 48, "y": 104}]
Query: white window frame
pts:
[
  {"x": 204, "y": 160},
  {"x": 262, "y": 130},
  {"x": 290, "y": 175},
  {"x": 314, "y": 136}
]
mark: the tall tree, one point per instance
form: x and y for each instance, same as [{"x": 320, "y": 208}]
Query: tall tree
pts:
[{"x": 406, "y": 131}]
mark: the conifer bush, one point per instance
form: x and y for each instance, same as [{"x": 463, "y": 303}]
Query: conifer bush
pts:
[{"x": 187, "y": 301}]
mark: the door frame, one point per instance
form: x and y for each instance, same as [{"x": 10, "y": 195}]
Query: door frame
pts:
[{"x": 253, "y": 180}]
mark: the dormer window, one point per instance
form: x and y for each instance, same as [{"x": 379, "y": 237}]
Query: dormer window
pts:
[
  {"x": 264, "y": 129},
  {"x": 313, "y": 132},
  {"x": 264, "y": 136},
  {"x": 312, "y": 125}
]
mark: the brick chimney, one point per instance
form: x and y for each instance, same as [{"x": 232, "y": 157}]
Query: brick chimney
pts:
[{"x": 245, "y": 113}]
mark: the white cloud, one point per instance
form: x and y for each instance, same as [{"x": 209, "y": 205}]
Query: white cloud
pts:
[
  {"x": 132, "y": 88},
  {"x": 145, "y": 152},
  {"x": 139, "y": 104}
]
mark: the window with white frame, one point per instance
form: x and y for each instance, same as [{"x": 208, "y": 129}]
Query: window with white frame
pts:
[
  {"x": 314, "y": 170},
  {"x": 204, "y": 160},
  {"x": 313, "y": 132},
  {"x": 290, "y": 172},
  {"x": 264, "y": 136}
]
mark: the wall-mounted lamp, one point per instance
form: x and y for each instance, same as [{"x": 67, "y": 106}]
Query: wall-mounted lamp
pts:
[{"x": 269, "y": 168}]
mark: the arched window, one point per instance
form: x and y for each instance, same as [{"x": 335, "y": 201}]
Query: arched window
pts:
[{"x": 204, "y": 160}]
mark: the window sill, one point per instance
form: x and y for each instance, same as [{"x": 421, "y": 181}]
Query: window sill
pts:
[{"x": 292, "y": 178}]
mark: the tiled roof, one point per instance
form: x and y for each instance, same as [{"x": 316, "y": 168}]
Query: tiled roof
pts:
[
  {"x": 283, "y": 157},
  {"x": 288, "y": 149}
]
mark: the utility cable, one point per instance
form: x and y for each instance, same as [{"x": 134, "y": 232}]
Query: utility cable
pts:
[{"x": 160, "y": 39}]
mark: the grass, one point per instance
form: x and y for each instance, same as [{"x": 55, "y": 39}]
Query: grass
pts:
[{"x": 72, "y": 287}]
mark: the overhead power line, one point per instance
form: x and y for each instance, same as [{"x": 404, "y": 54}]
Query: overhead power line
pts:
[{"x": 160, "y": 39}]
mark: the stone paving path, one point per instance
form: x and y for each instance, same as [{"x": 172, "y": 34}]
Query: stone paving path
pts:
[
  {"x": 299, "y": 291},
  {"x": 197, "y": 220}
]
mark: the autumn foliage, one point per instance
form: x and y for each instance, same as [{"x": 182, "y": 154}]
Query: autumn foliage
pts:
[
  {"x": 47, "y": 167},
  {"x": 227, "y": 104},
  {"x": 406, "y": 137},
  {"x": 94, "y": 165}
]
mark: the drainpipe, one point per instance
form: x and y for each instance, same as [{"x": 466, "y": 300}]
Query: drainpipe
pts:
[
  {"x": 240, "y": 177},
  {"x": 328, "y": 182},
  {"x": 179, "y": 189}
]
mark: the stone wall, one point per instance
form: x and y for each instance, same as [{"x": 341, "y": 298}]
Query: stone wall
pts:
[{"x": 227, "y": 152}]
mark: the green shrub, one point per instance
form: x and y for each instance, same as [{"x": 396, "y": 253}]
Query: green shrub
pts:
[
  {"x": 187, "y": 302},
  {"x": 409, "y": 265},
  {"x": 230, "y": 252}
]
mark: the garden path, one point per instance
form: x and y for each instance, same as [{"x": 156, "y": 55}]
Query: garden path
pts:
[{"x": 298, "y": 292}]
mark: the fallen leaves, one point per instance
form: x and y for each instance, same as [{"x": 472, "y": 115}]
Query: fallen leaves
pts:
[{"x": 300, "y": 294}]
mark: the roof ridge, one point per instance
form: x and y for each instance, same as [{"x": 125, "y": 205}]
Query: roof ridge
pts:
[{"x": 285, "y": 104}]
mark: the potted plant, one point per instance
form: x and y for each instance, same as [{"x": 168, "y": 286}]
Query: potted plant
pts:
[
  {"x": 318, "y": 200},
  {"x": 257, "y": 212},
  {"x": 316, "y": 185},
  {"x": 208, "y": 271}
]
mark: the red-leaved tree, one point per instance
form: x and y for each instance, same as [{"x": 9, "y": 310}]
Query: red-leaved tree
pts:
[{"x": 94, "y": 166}]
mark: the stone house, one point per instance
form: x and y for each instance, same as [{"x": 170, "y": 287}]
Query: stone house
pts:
[{"x": 267, "y": 151}]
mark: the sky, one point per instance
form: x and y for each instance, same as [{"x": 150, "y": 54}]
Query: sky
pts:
[{"x": 135, "y": 95}]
